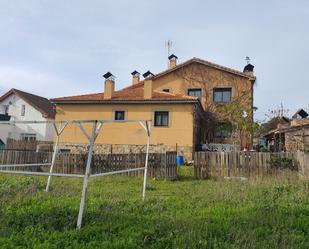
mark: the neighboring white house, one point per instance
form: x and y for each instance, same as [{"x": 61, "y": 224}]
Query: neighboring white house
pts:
[{"x": 17, "y": 105}]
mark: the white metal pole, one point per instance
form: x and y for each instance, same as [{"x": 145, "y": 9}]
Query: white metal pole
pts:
[
  {"x": 146, "y": 161},
  {"x": 86, "y": 177},
  {"x": 52, "y": 163},
  {"x": 58, "y": 133}
]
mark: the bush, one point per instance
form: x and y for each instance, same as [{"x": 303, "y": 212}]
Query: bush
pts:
[{"x": 283, "y": 163}]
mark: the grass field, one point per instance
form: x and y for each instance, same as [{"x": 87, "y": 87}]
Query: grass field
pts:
[{"x": 181, "y": 214}]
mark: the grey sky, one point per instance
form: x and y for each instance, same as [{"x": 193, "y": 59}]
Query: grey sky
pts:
[{"x": 58, "y": 48}]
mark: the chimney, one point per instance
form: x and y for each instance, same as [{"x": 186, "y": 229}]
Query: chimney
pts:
[
  {"x": 148, "y": 85},
  {"x": 248, "y": 69},
  {"x": 172, "y": 61},
  {"x": 135, "y": 77},
  {"x": 109, "y": 85}
]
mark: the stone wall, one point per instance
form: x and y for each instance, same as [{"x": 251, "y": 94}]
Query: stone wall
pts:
[
  {"x": 185, "y": 151},
  {"x": 297, "y": 139}
]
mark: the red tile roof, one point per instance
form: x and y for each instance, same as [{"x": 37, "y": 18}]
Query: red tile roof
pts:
[
  {"x": 136, "y": 92},
  {"x": 133, "y": 93}
]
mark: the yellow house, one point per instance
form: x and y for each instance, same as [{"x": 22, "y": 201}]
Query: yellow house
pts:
[{"x": 175, "y": 100}]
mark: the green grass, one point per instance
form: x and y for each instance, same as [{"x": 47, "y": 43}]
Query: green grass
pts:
[{"x": 177, "y": 214}]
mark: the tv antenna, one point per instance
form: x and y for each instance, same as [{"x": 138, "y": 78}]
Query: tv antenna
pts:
[
  {"x": 247, "y": 60},
  {"x": 168, "y": 46}
]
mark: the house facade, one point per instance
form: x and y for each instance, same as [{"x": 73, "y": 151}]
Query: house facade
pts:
[
  {"x": 215, "y": 86},
  {"x": 291, "y": 135},
  {"x": 176, "y": 101},
  {"x": 176, "y": 119},
  {"x": 17, "y": 105}
]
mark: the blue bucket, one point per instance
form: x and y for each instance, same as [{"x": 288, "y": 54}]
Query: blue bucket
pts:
[{"x": 180, "y": 160}]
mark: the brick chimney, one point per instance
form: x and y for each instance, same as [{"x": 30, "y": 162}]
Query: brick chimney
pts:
[
  {"x": 248, "y": 69},
  {"x": 109, "y": 85},
  {"x": 172, "y": 61},
  {"x": 135, "y": 77},
  {"x": 148, "y": 85}
]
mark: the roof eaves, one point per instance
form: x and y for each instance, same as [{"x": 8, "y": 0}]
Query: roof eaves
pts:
[
  {"x": 7, "y": 94},
  {"x": 117, "y": 101}
]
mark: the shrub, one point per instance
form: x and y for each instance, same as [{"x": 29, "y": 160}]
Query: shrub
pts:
[{"x": 283, "y": 163}]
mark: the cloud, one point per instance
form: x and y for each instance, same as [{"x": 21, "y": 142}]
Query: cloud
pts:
[
  {"x": 58, "y": 48},
  {"x": 37, "y": 82}
]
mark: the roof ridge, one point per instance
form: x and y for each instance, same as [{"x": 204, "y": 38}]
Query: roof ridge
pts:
[
  {"x": 196, "y": 59},
  {"x": 14, "y": 89},
  {"x": 205, "y": 62},
  {"x": 79, "y": 95}
]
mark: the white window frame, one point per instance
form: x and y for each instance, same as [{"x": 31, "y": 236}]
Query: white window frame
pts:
[{"x": 28, "y": 136}]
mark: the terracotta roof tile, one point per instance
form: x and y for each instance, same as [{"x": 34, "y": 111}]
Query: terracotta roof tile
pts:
[
  {"x": 136, "y": 92},
  {"x": 132, "y": 93}
]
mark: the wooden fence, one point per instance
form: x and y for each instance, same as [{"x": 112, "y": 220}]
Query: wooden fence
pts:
[
  {"x": 161, "y": 165},
  {"x": 303, "y": 168},
  {"x": 33, "y": 145},
  {"x": 247, "y": 164}
]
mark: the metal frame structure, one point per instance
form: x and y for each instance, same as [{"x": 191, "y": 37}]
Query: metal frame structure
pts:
[{"x": 96, "y": 128}]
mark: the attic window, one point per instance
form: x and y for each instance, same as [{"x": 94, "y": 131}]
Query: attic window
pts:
[
  {"x": 23, "y": 110},
  {"x": 166, "y": 90}
]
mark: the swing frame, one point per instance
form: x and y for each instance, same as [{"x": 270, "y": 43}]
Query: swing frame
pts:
[{"x": 97, "y": 125}]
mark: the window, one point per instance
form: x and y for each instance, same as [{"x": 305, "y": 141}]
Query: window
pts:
[
  {"x": 23, "y": 110},
  {"x": 223, "y": 130},
  {"x": 6, "y": 109},
  {"x": 222, "y": 95},
  {"x": 166, "y": 90},
  {"x": 195, "y": 92},
  {"x": 161, "y": 119},
  {"x": 119, "y": 115},
  {"x": 28, "y": 136}
]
